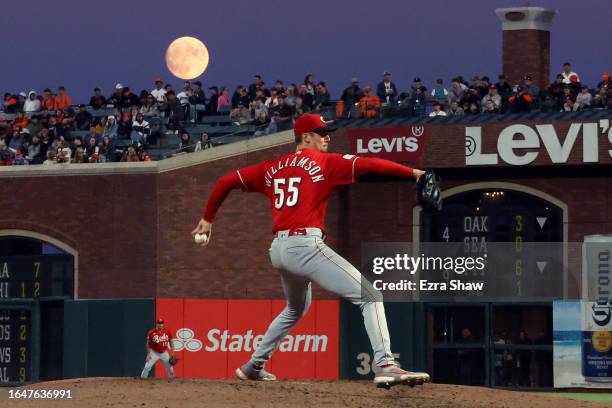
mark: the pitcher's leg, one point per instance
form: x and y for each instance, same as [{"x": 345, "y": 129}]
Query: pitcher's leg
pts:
[
  {"x": 337, "y": 275},
  {"x": 299, "y": 295}
]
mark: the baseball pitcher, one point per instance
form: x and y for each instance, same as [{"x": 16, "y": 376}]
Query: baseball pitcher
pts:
[
  {"x": 298, "y": 186},
  {"x": 159, "y": 347}
]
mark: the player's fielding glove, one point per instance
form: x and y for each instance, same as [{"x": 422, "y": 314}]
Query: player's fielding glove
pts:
[
  {"x": 429, "y": 193},
  {"x": 173, "y": 360}
]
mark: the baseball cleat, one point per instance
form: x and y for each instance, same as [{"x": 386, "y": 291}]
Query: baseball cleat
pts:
[
  {"x": 393, "y": 374},
  {"x": 248, "y": 372}
]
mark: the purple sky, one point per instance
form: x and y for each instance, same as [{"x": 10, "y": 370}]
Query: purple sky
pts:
[{"x": 84, "y": 44}]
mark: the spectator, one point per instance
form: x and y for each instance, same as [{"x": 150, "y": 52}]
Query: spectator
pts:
[
  {"x": 568, "y": 73},
  {"x": 6, "y": 155},
  {"x": 440, "y": 93},
  {"x": 10, "y": 103},
  {"x": 456, "y": 91},
  {"x": 3, "y": 125},
  {"x": 322, "y": 98},
  {"x": 272, "y": 101},
  {"x": 224, "y": 103},
  {"x": 309, "y": 81},
  {"x": 437, "y": 110},
  {"x": 184, "y": 98},
  {"x": 240, "y": 115},
  {"x": 258, "y": 106},
  {"x": 175, "y": 112},
  {"x": 556, "y": 93},
  {"x": 17, "y": 141},
  {"x": 237, "y": 96},
  {"x": 520, "y": 101},
  {"x": 273, "y": 125},
  {"x": 505, "y": 92},
  {"x": 34, "y": 126},
  {"x": 490, "y": 107},
  {"x": 570, "y": 105},
  {"x": 203, "y": 143},
  {"x": 417, "y": 87},
  {"x": 63, "y": 152},
  {"x": 128, "y": 99},
  {"x": 483, "y": 86},
  {"x": 83, "y": 119},
  {"x": 142, "y": 153},
  {"x": 62, "y": 100},
  {"x": 150, "y": 107},
  {"x": 416, "y": 103},
  {"x": 21, "y": 98},
  {"x": 198, "y": 97},
  {"x": 280, "y": 87},
  {"x": 284, "y": 119},
  {"x": 92, "y": 151},
  {"x": 291, "y": 94},
  {"x": 455, "y": 109},
  {"x": 473, "y": 109},
  {"x": 299, "y": 108},
  {"x": 79, "y": 155},
  {"x": 185, "y": 145},
  {"x": 369, "y": 105},
  {"x": 107, "y": 150},
  {"x": 493, "y": 96},
  {"x": 386, "y": 90},
  {"x": 50, "y": 158},
  {"x": 351, "y": 97},
  {"x": 470, "y": 96},
  {"x": 32, "y": 104},
  {"x": 261, "y": 123},
  {"x": 255, "y": 86},
  {"x": 307, "y": 97},
  {"x": 530, "y": 88},
  {"x": 159, "y": 93},
  {"x": 20, "y": 120},
  {"x": 92, "y": 134},
  {"x": 115, "y": 97},
  {"x": 583, "y": 99},
  {"x": 112, "y": 128},
  {"x": 48, "y": 100},
  {"x": 213, "y": 100},
  {"x": 97, "y": 101},
  {"x": 140, "y": 130},
  {"x": 130, "y": 154}
]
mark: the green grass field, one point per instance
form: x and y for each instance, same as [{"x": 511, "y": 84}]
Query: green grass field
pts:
[{"x": 581, "y": 396}]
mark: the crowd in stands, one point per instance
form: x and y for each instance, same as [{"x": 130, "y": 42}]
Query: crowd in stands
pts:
[{"x": 41, "y": 127}]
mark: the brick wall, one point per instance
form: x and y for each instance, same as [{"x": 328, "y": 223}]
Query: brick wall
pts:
[{"x": 526, "y": 52}]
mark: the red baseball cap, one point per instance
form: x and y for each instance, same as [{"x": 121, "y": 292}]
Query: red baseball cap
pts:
[
  {"x": 311, "y": 122},
  {"x": 160, "y": 321},
  {"x": 158, "y": 80}
]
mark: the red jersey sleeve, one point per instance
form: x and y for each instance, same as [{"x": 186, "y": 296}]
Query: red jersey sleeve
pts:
[
  {"x": 253, "y": 178},
  {"x": 340, "y": 169}
]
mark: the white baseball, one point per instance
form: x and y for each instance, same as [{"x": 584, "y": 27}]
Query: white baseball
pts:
[{"x": 200, "y": 238}]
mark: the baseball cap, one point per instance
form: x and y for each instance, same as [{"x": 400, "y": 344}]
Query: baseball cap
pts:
[
  {"x": 605, "y": 76},
  {"x": 118, "y": 86},
  {"x": 160, "y": 321},
  {"x": 311, "y": 122},
  {"x": 492, "y": 87},
  {"x": 417, "y": 79},
  {"x": 22, "y": 94},
  {"x": 354, "y": 79},
  {"x": 386, "y": 73},
  {"x": 158, "y": 79}
]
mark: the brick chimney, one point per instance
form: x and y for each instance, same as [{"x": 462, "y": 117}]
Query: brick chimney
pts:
[{"x": 526, "y": 43}]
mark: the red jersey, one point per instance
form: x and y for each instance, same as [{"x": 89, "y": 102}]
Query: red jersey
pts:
[
  {"x": 159, "y": 339},
  {"x": 298, "y": 185}
]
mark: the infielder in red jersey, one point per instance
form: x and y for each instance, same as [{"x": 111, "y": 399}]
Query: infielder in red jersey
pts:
[
  {"x": 159, "y": 347},
  {"x": 298, "y": 186}
]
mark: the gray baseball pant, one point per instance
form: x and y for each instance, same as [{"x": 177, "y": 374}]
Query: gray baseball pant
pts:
[
  {"x": 153, "y": 357},
  {"x": 306, "y": 259}
]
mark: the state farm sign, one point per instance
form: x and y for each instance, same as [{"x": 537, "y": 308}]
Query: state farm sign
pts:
[
  {"x": 214, "y": 337},
  {"x": 519, "y": 145},
  {"x": 403, "y": 144}
]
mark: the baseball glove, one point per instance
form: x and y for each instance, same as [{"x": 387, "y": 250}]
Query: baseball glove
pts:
[
  {"x": 173, "y": 360},
  {"x": 429, "y": 193}
]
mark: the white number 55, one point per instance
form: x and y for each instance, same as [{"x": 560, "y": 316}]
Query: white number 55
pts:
[{"x": 292, "y": 192}]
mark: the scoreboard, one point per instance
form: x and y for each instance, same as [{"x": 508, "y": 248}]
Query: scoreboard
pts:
[
  {"x": 529, "y": 263},
  {"x": 32, "y": 277},
  {"x": 23, "y": 281}
]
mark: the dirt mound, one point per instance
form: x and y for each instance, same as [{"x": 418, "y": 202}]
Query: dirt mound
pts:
[{"x": 185, "y": 393}]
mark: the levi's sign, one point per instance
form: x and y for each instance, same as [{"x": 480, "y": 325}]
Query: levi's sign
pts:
[
  {"x": 519, "y": 145},
  {"x": 405, "y": 144}
]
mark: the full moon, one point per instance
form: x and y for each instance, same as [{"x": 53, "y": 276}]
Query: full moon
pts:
[{"x": 187, "y": 57}]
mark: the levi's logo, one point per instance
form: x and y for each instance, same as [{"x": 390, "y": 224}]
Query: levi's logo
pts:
[{"x": 388, "y": 145}]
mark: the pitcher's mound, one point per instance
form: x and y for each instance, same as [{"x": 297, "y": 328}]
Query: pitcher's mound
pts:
[{"x": 186, "y": 393}]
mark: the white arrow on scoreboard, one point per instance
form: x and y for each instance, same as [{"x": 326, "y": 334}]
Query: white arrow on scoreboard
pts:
[
  {"x": 541, "y": 265},
  {"x": 541, "y": 221}
]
